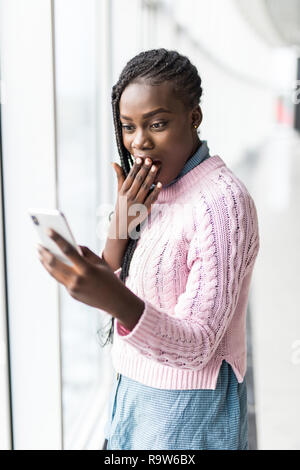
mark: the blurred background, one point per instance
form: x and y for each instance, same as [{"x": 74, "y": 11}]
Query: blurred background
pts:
[{"x": 58, "y": 62}]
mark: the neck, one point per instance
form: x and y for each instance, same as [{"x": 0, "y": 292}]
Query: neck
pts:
[{"x": 196, "y": 145}]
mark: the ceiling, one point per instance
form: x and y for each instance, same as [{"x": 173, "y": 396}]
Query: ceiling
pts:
[
  {"x": 285, "y": 15},
  {"x": 277, "y": 21}
]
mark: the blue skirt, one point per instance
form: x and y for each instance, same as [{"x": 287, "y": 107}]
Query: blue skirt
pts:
[{"x": 148, "y": 418}]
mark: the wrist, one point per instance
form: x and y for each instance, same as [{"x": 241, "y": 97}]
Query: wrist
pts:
[{"x": 128, "y": 307}]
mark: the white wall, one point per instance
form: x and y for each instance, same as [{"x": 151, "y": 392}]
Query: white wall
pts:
[{"x": 28, "y": 134}]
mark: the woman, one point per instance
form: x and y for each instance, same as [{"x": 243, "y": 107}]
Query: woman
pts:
[{"x": 176, "y": 278}]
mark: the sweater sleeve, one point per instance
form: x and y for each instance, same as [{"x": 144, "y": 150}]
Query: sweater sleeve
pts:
[{"x": 218, "y": 259}]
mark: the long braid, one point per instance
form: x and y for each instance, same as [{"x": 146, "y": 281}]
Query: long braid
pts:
[{"x": 157, "y": 66}]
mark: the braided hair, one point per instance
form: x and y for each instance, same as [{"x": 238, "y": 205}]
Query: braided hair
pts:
[{"x": 156, "y": 66}]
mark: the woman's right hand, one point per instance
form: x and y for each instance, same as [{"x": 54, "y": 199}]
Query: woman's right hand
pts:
[{"x": 135, "y": 188}]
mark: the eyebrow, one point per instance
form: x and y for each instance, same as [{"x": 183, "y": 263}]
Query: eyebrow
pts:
[{"x": 150, "y": 114}]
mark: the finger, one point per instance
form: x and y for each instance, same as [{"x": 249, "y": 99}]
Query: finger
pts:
[
  {"x": 142, "y": 183},
  {"x": 90, "y": 255},
  {"x": 148, "y": 182},
  {"x": 134, "y": 170},
  {"x": 68, "y": 250},
  {"x": 153, "y": 196},
  {"x": 83, "y": 249},
  {"x": 56, "y": 268}
]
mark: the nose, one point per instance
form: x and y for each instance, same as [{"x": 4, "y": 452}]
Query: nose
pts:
[{"x": 141, "y": 140}]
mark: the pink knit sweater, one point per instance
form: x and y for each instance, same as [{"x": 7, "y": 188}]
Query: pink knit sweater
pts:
[{"x": 192, "y": 267}]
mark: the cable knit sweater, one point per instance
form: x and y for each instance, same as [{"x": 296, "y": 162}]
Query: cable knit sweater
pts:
[{"x": 192, "y": 267}]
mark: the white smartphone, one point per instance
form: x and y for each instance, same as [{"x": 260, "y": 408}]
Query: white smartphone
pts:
[{"x": 47, "y": 218}]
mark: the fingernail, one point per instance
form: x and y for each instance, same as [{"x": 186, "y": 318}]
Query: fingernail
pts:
[
  {"x": 138, "y": 161},
  {"x": 49, "y": 232}
]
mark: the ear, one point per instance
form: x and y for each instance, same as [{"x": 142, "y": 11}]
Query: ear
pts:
[{"x": 196, "y": 116}]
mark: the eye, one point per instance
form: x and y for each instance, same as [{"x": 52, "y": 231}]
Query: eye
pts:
[
  {"x": 127, "y": 128},
  {"x": 155, "y": 125},
  {"x": 159, "y": 125}
]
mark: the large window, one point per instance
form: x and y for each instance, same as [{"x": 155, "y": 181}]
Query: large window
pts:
[
  {"x": 91, "y": 46},
  {"x": 86, "y": 368}
]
